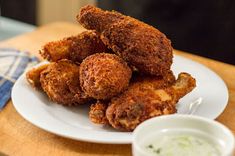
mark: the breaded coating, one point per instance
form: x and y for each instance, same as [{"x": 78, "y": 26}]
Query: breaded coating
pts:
[
  {"x": 60, "y": 81},
  {"x": 139, "y": 103},
  {"x": 140, "y": 81},
  {"x": 141, "y": 45},
  {"x": 93, "y": 18},
  {"x": 97, "y": 113},
  {"x": 74, "y": 48},
  {"x": 103, "y": 75},
  {"x": 33, "y": 76}
]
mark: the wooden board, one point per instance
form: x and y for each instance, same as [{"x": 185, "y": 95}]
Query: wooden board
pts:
[{"x": 19, "y": 137}]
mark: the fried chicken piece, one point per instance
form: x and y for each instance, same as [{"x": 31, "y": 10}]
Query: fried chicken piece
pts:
[
  {"x": 153, "y": 82},
  {"x": 93, "y": 18},
  {"x": 142, "y": 45},
  {"x": 60, "y": 81},
  {"x": 103, "y": 75},
  {"x": 139, "y": 103},
  {"x": 97, "y": 113},
  {"x": 74, "y": 48},
  {"x": 33, "y": 76}
]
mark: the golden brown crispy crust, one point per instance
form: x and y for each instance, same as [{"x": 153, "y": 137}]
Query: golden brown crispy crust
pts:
[
  {"x": 103, "y": 75},
  {"x": 33, "y": 76},
  {"x": 185, "y": 84},
  {"x": 93, "y": 18},
  {"x": 61, "y": 83},
  {"x": 143, "y": 46},
  {"x": 57, "y": 50},
  {"x": 97, "y": 113},
  {"x": 154, "y": 82},
  {"x": 141, "y": 102},
  {"x": 74, "y": 48},
  {"x": 87, "y": 43}
]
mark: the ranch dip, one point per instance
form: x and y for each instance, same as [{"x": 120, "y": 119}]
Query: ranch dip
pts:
[{"x": 181, "y": 145}]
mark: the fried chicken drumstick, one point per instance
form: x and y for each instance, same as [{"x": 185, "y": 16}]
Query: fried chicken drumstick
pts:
[
  {"x": 140, "y": 103},
  {"x": 141, "y": 45},
  {"x": 74, "y": 48}
]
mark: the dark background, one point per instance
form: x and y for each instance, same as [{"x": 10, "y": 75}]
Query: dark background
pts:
[
  {"x": 21, "y": 10},
  {"x": 205, "y": 28}
]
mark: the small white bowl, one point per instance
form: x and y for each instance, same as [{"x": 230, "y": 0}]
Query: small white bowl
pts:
[{"x": 182, "y": 123}]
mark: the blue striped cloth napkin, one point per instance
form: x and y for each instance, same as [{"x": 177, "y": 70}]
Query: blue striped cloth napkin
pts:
[{"x": 12, "y": 64}]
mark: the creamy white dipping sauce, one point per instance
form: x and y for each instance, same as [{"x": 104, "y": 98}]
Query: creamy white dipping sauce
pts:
[{"x": 181, "y": 145}]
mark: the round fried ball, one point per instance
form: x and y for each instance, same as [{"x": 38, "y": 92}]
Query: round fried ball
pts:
[
  {"x": 60, "y": 81},
  {"x": 103, "y": 75}
]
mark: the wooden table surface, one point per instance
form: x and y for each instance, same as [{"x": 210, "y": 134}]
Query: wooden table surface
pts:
[{"x": 19, "y": 137}]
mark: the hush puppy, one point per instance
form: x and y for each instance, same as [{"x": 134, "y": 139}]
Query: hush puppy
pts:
[{"x": 104, "y": 75}]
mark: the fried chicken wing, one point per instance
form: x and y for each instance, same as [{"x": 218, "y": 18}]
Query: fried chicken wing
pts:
[
  {"x": 97, "y": 113},
  {"x": 33, "y": 76},
  {"x": 139, "y": 103},
  {"x": 74, "y": 48},
  {"x": 103, "y": 75},
  {"x": 142, "y": 45},
  {"x": 60, "y": 81}
]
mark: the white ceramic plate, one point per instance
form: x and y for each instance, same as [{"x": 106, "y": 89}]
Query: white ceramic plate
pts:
[{"x": 74, "y": 123}]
